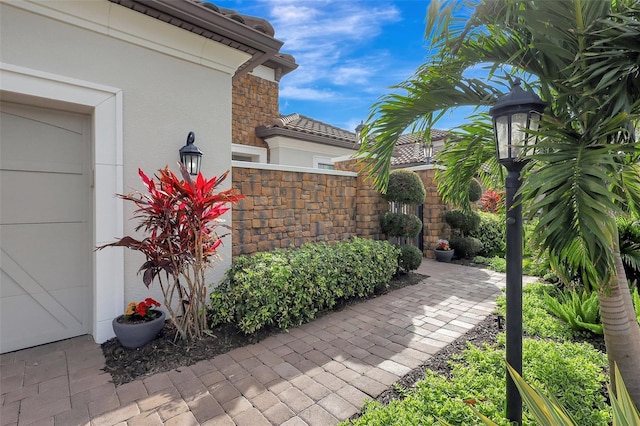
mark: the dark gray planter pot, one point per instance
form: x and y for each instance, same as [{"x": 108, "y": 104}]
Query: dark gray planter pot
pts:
[
  {"x": 443, "y": 255},
  {"x": 134, "y": 336}
]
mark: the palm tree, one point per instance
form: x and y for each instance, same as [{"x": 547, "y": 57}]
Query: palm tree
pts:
[{"x": 583, "y": 57}]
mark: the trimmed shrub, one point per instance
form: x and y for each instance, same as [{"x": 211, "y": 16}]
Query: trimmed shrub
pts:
[
  {"x": 475, "y": 191},
  {"x": 410, "y": 258},
  {"x": 463, "y": 221},
  {"x": 465, "y": 247},
  {"x": 491, "y": 231},
  {"x": 396, "y": 224},
  {"x": 286, "y": 288},
  {"x": 406, "y": 187}
]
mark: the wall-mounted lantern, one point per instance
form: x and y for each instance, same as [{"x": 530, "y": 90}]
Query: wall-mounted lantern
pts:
[{"x": 190, "y": 155}]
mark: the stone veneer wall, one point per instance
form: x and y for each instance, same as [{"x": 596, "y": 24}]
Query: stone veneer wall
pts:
[
  {"x": 254, "y": 103},
  {"x": 287, "y": 207},
  {"x": 435, "y": 227}
]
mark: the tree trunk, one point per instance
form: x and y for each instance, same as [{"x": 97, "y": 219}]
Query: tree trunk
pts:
[{"x": 621, "y": 330}]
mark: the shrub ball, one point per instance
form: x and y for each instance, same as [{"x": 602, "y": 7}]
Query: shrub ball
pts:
[{"x": 406, "y": 187}]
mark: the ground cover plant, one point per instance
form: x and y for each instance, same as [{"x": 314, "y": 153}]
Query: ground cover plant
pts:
[{"x": 573, "y": 371}]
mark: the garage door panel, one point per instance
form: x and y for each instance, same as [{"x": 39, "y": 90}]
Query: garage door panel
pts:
[
  {"x": 25, "y": 323},
  {"x": 50, "y": 259},
  {"x": 9, "y": 287},
  {"x": 36, "y": 144},
  {"x": 52, "y": 197},
  {"x": 45, "y": 229}
]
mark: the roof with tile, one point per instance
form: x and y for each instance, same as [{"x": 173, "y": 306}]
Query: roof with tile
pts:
[
  {"x": 410, "y": 150},
  {"x": 298, "y": 126},
  {"x": 409, "y": 147}
]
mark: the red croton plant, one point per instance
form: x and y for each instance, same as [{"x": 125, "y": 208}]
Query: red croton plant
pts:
[{"x": 180, "y": 217}]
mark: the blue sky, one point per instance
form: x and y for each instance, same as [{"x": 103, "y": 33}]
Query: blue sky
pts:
[{"x": 349, "y": 52}]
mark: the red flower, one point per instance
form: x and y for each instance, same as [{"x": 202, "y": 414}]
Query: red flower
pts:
[{"x": 142, "y": 310}]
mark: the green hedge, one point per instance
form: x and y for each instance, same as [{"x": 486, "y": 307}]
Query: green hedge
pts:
[{"x": 286, "y": 288}]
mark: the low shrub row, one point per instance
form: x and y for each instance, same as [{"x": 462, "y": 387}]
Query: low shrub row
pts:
[{"x": 286, "y": 288}]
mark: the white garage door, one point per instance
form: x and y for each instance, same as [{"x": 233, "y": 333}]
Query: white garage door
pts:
[{"x": 45, "y": 229}]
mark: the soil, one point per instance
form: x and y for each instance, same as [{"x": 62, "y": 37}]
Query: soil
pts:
[{"x": 163, "y": 354}]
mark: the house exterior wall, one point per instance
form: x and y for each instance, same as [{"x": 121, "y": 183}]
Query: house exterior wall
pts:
[
  {"x": 255, "y": 103},
  {"x": 287, "y": 206},
  {"x": 299, "y": 153},
  {"x": 157, "y": 82}
]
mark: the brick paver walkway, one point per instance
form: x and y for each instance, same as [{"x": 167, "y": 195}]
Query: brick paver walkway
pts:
[{"x": 317, "y": 374}]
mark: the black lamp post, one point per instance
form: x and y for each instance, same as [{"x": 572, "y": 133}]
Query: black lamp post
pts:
[
  {"x": 513, "y": 116},
  {"x": 190, "y": 155}
]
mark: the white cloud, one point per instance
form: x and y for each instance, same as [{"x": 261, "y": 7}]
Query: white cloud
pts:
[
  {"x": 304, "y": 93},
  {"x": 328, "y": 39}
]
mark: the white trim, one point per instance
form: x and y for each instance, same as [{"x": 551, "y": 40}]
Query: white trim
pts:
[
  {"x": 105, "y": 104},
  {"x": 257, "y": 154},
  {"x": 264, "y": 73},
  {"x": 285, "y": 168},
  {"x": 318, "y": 159},
  {"x": 427, "y": 167}
]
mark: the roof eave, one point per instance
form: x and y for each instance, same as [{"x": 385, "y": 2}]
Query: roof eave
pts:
[{"x": 260, "y": 46}]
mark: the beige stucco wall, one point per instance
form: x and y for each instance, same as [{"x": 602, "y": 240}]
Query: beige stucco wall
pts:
[
  {"x": 290, "y": 152},
  {"x": 171, "y": 82}
]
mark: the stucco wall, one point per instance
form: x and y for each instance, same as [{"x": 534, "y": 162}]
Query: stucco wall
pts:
[{"x": 169, "y": 81}]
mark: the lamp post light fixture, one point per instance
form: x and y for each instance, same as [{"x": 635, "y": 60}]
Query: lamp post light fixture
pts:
[
  {"x": 359, "y": 129},
  {"x": 190, "y": 155},
  {"x": 514, "y": 115}
]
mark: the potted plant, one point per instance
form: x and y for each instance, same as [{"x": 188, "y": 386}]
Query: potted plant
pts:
[
  {"x": 139, "y": 324},
  {"x": 180, "y": 218},
  {"x": 443, "y": 252}
]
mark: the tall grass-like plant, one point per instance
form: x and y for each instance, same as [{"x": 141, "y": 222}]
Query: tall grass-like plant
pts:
[
  {"x": 180, "y": 218},
  {"x": 580, "y": 310}
]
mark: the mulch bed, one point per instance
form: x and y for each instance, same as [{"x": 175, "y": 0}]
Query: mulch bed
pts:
[{"x": 164, "y": 353}]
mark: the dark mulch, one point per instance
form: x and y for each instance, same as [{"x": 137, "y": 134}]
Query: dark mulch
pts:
[{"x": 164, "y": 354}]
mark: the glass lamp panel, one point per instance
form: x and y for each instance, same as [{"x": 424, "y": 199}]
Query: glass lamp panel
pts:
[
  {"x": 534, "y": 123},
  {"x": 518, "y": 133},
  {"x": 502, "y": 136},
  {"x": 192, "y": 163}
]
